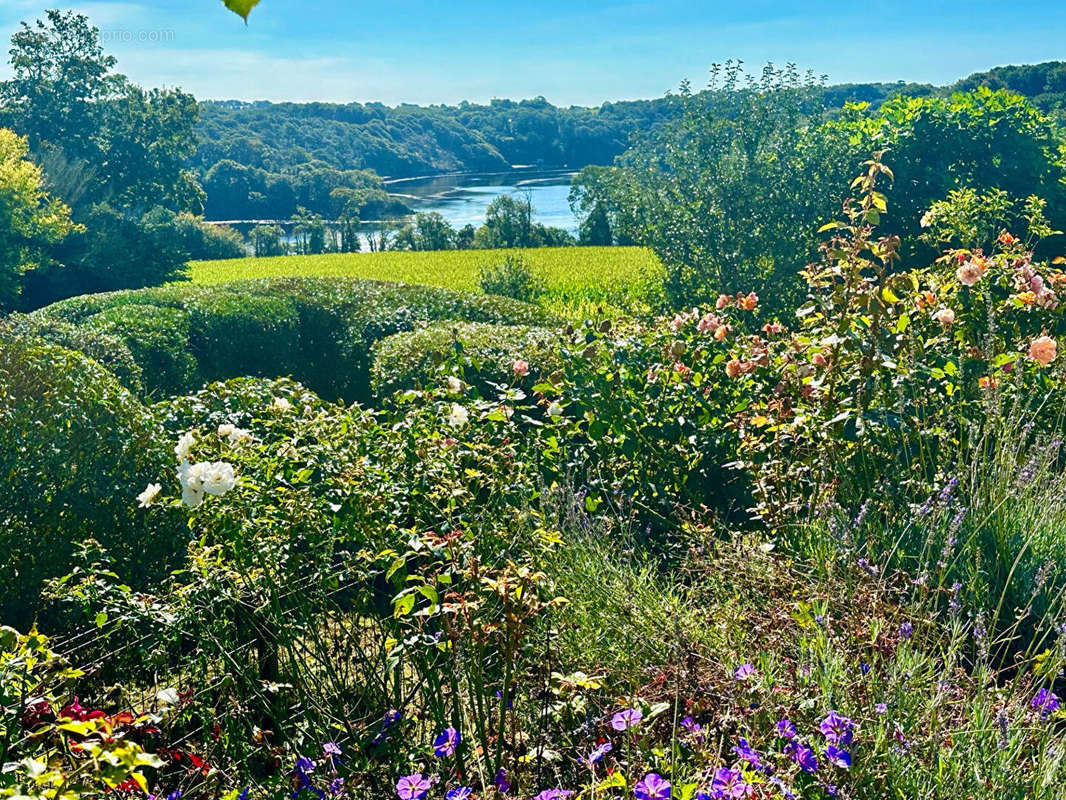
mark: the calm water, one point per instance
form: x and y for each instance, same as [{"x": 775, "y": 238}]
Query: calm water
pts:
[{"x": 463, "y": 199}]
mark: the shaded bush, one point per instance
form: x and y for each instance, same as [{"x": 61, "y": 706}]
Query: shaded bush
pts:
[
  {"x": 486, "y": 352},
  {"x": 78, "y": 449},
  {"x": 514, "y": 278}
]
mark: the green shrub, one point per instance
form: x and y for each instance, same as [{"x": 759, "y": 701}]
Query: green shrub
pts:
[
  {"x": 486, "y": 352},
  {"x": 513, "y": 278},
  {"x": 158, "y": 338},
  {"x": 78, "y": 448},
  {"x": 204, "y": 241},
  {"x": 318, "y": 330},
  {"x": 106, "y": 348}
]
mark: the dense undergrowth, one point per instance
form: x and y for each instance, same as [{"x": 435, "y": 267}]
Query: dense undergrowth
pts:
[{"x": 709, "y": 555}]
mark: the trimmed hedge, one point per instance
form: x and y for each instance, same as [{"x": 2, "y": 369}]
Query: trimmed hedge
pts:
[
  {"x": 109, "y": 350},
  {"x": 78, "y": 448},
  {"x": 157, "y": 338},
  {"x": 487, "y": 352},
  {"x": 318, "y": 330}
]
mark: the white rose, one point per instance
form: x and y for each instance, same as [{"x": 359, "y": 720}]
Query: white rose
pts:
[
  {"x": 281, "y": 404},
  {"x": 192, "y": 474},
  {"x": 555, "y": 411},
  {"x": 240, "y": 436},
  {"x": 458, "y": 416},
  {"x": 191, "y": 497},
  {"x": 149, "y": 495},
  {"x": 219, "y": 478},
  {"x": 184, "y": 446},
  {"x": 454, "y": 385},
  {"x": 225, "y": 431}
]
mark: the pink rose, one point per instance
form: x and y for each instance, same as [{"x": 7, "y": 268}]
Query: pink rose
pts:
[{"x": 520, "y": 367}]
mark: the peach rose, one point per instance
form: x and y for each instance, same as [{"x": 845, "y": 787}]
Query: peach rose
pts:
[
  {"x": 520, "y": 367},
  {"x": 945, "y": 317},
  {"x": 820, "y": 360},
  {"x": 969, "y": 273},
  {"x": 1043, "y": 350},
  {"x": 723, "y": 301},
  {"x": 750, "y": 302},
  {"x": 734, "y": 368}
]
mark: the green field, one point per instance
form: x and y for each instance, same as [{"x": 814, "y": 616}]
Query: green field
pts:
[{"x": 576, "y": 277}]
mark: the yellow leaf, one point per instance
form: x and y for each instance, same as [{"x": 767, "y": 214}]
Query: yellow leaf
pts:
[{"x": 241, "y": 7}]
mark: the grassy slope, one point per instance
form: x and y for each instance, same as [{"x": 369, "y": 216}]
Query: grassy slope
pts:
[{"x": 575, "y": 276}]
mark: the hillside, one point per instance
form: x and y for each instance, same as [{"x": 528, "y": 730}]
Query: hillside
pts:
[{"x": 277, "y": 156}]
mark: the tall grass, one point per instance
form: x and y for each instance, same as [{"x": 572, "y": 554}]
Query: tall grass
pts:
[{"x": 575, "y": 278}]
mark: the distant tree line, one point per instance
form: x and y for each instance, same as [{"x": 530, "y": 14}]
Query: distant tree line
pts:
[{"x": 509, "y": 223}]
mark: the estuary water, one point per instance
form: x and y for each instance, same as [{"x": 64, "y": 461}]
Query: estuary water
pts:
[{"x": 464, "y": 199}]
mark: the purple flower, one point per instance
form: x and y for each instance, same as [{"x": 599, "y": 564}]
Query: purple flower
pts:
[
  {"x": 837, "y": 729},
  {"x": 803, "y": 756},
  {"x": 728, "y": 784},
  {"x": 336, "y": 786},
  {"x": 864, "y": 668},
  {"x": 413, "y": 787},
  {"x": 304, "y": 768},
  {"x": 597, "y": 755},
  {"x": 626, "y": 719},
  {"x": 838, "y": 757},
  {"x": 331, "y": 749},
  {"x": 553, "y": 794},
  {"x": 690, "y": 724},
  {"x": 780, "y": 784},
  {"x": 1046, "y": 702},
  {"x": 745, "y": 752},
  {"x": 459, "y": 793},
  {"x": 785, "y": 729},
  {"x": 881, "y": 708},
  {"x": 906, "y": 630},
  {"x": 744, "y": 671},
  {"x": 503, "y": 786},
  {"x": 446, "y": 743},
  {"x": 653, "y": 787}
]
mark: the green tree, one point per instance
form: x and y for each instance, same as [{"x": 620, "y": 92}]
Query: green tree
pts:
[
  {"x": 432, "y": 232},
  {"x": 266, "y": 241},
  {"x": 60, "y": 74},
  {"x": 595, "y": 229},
  {"x": 30, "y": 220},
  {"x": 935, "y": 145},
  {"x": 133, "y": 143},
  {"x": 508, "y": 224},
  {"x": 729, "y": 194}
]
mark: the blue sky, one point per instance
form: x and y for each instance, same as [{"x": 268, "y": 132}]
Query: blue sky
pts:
[{"x": 570, "y": 51}]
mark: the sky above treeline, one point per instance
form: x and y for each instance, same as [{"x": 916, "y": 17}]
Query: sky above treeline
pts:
[{"x": 580, "y": 52}]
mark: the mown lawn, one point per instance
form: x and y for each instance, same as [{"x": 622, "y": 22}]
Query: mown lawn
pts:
[{"x": 575, "y": 277}]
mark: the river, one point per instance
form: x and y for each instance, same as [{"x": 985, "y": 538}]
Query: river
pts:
[{"x": 464, "y": 199}]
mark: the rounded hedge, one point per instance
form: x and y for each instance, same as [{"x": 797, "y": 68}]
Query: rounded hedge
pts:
[
  {"x": 78, "y": 448},
  {"x": 109, "y": 350},
  {"x": 487, "y": 352},
  {"x": 157, "y": 338},
  {"x": 320, "y": 331}
]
